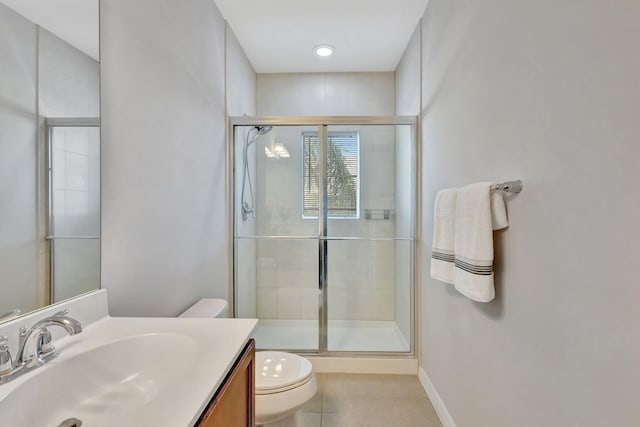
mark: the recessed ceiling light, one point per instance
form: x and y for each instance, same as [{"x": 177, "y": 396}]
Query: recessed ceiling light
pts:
[{"x": 324, "y": 50}]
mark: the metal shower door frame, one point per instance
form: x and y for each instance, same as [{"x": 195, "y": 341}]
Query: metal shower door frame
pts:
[{"x": 323, "y": 122}]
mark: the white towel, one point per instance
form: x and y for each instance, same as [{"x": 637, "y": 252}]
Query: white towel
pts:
[
  {"x": 442, "y": 250},
  {"x": 473, "y": 272},
  {"x": 498, "y": 211}
]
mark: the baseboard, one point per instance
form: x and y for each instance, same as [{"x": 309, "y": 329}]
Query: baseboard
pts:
[
  {"x": 436, "y": 401},
  {"x": 364, "y": 365}
]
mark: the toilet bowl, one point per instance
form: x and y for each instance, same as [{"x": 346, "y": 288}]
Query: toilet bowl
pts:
[{"x": 284, "y": 382}]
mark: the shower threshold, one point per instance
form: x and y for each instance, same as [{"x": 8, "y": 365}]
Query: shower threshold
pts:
[{"x": 344, "y": 335}]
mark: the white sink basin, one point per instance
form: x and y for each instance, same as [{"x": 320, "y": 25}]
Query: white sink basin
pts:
[
  {"x": 101, "y": 385},
  {"x": 142, "y": 372}
]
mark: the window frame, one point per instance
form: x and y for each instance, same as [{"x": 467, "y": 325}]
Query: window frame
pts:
[{"x": 354, "y": 133}]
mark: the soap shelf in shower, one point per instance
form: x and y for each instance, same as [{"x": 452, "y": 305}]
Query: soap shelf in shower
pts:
[{"x": 379, "y": 214}]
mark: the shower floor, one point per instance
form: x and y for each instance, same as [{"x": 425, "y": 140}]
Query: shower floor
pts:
[{"x": 344, "y": 335}]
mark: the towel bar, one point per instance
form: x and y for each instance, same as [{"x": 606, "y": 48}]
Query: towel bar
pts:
[{"x": 509, "y": 186}]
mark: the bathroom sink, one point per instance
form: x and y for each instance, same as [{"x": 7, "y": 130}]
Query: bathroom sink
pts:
[
  {"x": 122, "y": 371},
  {"x": 103, "y": 385}
]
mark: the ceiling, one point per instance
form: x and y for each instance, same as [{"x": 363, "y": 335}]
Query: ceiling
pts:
[
  {"x": 278, "y": 36},
  {"x": 74, "y": 21}
]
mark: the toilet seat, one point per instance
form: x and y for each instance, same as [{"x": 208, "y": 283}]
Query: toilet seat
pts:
[
  {"x": 277, "y": 372},
  {"x": 283, "y": 389}
]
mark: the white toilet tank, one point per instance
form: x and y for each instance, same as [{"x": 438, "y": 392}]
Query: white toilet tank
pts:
[{"x": 207, "y": 307}]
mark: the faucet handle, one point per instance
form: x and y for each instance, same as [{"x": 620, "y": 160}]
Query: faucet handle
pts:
[
  {"x": 45, "y": 349},
  {"x": 6, "y": 362}
]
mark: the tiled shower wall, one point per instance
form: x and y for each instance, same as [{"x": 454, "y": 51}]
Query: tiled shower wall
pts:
[
  {"x": 361, "y": 273},
  {"x": 76, "y": 210}
]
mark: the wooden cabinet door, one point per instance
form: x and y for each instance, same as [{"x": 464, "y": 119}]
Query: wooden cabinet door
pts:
[{"x": 234, "y": 403}]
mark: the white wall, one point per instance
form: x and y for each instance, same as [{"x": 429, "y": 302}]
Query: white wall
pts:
[
  {"x": 326, "y": 94},
  {"x": 241, "y": 79},
  {"x": 547, "y": 92},
  {"x": 241, "y": 100},
  {"x": 69, "y": 80},
  {"x": 407, "y": 103},
  {"x": 163, "y": 157}
]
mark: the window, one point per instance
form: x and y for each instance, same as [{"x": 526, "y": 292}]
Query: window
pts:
[{"x": 343, "y": 164}]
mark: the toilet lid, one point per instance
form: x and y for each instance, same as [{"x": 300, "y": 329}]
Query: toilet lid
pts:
[
  {"x": 279, "y": 370},
  {"x": 207, "y": 307}
]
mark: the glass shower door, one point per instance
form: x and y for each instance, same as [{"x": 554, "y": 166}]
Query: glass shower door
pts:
[
  {"x": 276, "y": 247},
  {"x": 324, "y": 235},
  {"x": 370, "y": 196}
]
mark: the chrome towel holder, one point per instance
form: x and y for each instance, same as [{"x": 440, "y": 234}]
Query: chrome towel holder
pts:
[{"x": 509, "y": 186}]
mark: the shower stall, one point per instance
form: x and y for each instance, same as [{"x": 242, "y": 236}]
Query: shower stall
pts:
[{"x": 324, "y": 215}]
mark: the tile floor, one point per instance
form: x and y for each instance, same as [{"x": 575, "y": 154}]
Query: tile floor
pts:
[{"x": 348, "y": 400}]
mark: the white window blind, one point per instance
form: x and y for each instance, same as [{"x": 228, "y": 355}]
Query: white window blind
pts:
[{"x": 343, "y": 152}]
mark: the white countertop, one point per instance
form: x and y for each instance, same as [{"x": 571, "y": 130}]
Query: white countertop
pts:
[{"x": 218, "y": 342}]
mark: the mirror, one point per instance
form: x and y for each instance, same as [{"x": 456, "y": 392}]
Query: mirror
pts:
[{"x": 49, "y": 152}]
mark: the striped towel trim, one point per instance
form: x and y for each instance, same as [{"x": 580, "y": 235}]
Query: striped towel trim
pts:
[
  {"x": 469, "y": 267},
  {"x": 479, "y": 270},
  {"x": 442, "y": 256}
]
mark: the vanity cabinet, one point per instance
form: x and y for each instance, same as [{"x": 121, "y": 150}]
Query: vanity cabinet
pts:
[{"x": 233, "y": 405}]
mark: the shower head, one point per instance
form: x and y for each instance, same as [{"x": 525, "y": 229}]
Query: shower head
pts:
[
  {"x": 263, "y": 130},
  {"x": 260, "y": 130}
]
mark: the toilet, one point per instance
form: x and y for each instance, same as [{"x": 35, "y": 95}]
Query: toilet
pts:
[{"x": 284, "y": 381}]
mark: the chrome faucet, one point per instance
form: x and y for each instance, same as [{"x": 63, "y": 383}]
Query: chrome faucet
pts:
[{"x": 35, "y": 347}]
